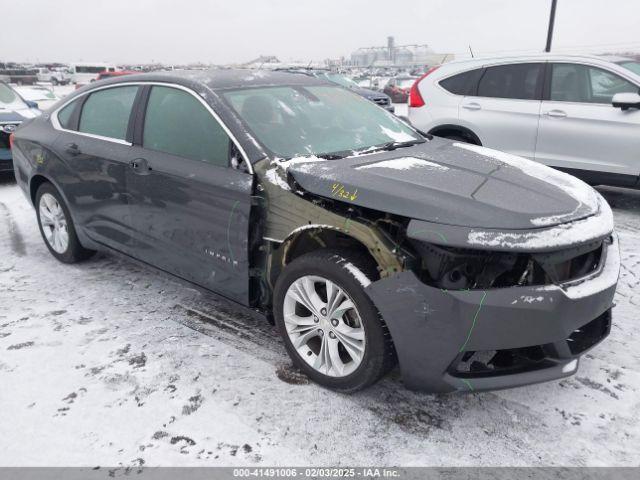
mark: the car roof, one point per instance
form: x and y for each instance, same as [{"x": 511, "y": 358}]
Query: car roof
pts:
[
  {"x": 220, "y": 79},
  {"x": 536, "y": 57}
]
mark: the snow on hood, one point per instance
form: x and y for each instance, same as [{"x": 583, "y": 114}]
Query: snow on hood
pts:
[
  {"x": 583, "y": 193},
  {"x": 593, "y": 227},
  {"x": 405, "y": 163}
]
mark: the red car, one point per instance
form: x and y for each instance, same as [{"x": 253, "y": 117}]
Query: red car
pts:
[
  {"x": 106, "y": 74},
  {"x": 398, "y": 88}
]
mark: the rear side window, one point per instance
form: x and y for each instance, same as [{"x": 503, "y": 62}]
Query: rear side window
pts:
[
  {"x": 519, "y": 81},
  {"x": 580, "y": 83},
  {"x": 177, "y": 123},
  {"x": 64, "y": 115},
  {"x": 463, "y": 83},
  {"x": 106, "y": 112}
]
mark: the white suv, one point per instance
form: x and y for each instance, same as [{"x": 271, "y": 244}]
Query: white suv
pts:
[{"x": 580, "y": 114}]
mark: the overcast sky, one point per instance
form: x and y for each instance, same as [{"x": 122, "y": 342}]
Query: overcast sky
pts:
[{"x": 229, "y": 31}]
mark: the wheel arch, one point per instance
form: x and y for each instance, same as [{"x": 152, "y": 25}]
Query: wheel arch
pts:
[
  {"x": 453, "y": 129},
  {"x": 308, "y": 238}
]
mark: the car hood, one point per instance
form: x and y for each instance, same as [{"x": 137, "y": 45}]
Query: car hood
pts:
[
  {"x": 453, "y": 184},
  {"x": 17, "y": 115}
]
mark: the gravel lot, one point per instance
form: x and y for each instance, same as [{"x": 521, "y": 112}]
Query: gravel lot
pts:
[{"x": 108, "y": 363}]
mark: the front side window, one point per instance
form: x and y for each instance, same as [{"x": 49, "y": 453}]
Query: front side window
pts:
[
  {"x": 64, "y": 115},
  {"x": 580, "y": 83},
  {"x": 295, "y": 121},
  {"x": 177, "y": 123},
  {"x": 518, "y": 81},
  {"x": 106, "y": 112}
]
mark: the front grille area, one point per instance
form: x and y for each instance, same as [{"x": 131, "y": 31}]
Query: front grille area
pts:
[
  {"x": 487, "y": 363},
  {"x": 588, "y": 335},
  {"x": 382, "y": 101},
  {"x": 461, "y": 269}
]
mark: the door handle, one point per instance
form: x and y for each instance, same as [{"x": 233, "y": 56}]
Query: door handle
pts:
[
  {"x": 556, "y": 113},
  {"x": 471, "y": 106},
  {"x": 72, "y": 149},
  {"x": 140, "y": 166}
]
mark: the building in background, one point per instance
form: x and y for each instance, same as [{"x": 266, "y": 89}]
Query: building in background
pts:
[{"x": 398, "y": 56}]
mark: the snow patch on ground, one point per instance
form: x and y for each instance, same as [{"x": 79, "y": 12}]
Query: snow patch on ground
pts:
[
  {"x": 405, "y": 163},
  {"x": 107, "y": 363}
]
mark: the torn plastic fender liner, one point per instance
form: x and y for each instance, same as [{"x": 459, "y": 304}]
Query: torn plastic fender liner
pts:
[
  {"x": 288, "y": 214},
  {"x": 431, "y": 327}
]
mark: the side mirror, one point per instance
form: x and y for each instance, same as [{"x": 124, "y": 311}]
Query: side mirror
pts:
[
  {"x": 625, "y": 101},
  {"x": 31, "y": 104}
]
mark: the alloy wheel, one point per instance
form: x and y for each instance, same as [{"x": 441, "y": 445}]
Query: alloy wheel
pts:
[
  {"x": 324, "y": 326},
  {"x": 54, "y": 223}
]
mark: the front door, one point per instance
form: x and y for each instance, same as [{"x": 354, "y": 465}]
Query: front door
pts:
[
  {"x": 579, "y": 127},
  {"x": 190, "y": 207}
]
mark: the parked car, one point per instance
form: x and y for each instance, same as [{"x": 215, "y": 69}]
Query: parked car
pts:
[
  {"x": 19, "y": 76},
  {"x": 55, "y": 77},
  {"x": 580, "y": 114},
  {"x": 378, "y": 98},
  {"x": 84, "y": 73},
  {"x": 398, "y": 88},
  {"x": 368, "y": 242},
  {"x": 43, "y": 97},
  {"x": 13, "y": 111}
]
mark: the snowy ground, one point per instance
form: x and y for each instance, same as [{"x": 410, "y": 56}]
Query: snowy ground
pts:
[{"x": 109, "y": 363}]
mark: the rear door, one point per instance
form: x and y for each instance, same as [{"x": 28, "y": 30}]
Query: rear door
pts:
[
  {"x": 95, "y": 143},
  {"x": 504, "y": 110},
  {"x": 190, "y": 206},
  {"x": 579, "y": 127}
]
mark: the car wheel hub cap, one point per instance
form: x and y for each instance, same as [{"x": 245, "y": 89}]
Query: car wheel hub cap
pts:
[
  {"x": 54, "y": 223},
  {"x": 324, "y": 326}
]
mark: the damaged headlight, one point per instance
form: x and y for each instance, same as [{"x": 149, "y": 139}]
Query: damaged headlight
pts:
[{"x": 459, "y": 269}]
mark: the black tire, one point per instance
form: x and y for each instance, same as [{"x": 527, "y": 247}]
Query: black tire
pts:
[
  {"x": 54, "y": 81},
  {"x": 74, "y": 252},
  {"x": 338, "y": 267}
]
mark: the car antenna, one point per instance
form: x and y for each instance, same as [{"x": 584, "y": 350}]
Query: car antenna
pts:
[{"x": 471, "y": 51}]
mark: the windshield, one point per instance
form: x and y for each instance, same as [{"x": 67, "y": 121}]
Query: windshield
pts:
[
  {"x": 340, "y": 80},
  {"x": 9, "y": 99},
  {"x": 317, "y": 120},
  {"x": 631, "y": 65}
]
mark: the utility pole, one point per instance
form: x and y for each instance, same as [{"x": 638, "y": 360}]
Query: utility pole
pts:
[{"x": 552, "y": 20}]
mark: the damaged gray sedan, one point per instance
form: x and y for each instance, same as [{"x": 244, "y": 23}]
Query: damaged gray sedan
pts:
[{"x": 369, "y": 243}]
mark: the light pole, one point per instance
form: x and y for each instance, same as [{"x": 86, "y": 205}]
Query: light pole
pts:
[{"x": 552, "y": 19}]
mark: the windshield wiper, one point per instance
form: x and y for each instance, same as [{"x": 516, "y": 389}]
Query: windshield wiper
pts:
[
  {"x": 332, "y": 156},
  {"x": 394, "y": 145}
]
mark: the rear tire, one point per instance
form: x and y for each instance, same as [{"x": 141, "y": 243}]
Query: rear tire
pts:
[
  {"x": 56, "y": 226},
  {"x": 354, "y": 349}
]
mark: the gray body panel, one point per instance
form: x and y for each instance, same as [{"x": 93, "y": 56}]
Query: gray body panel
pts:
[{"x": 452, "y": 186}]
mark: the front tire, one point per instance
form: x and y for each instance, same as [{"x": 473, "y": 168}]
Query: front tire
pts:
[
  {"x": 56, "y": 226},
  {"x": 330, "y": 327}
]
